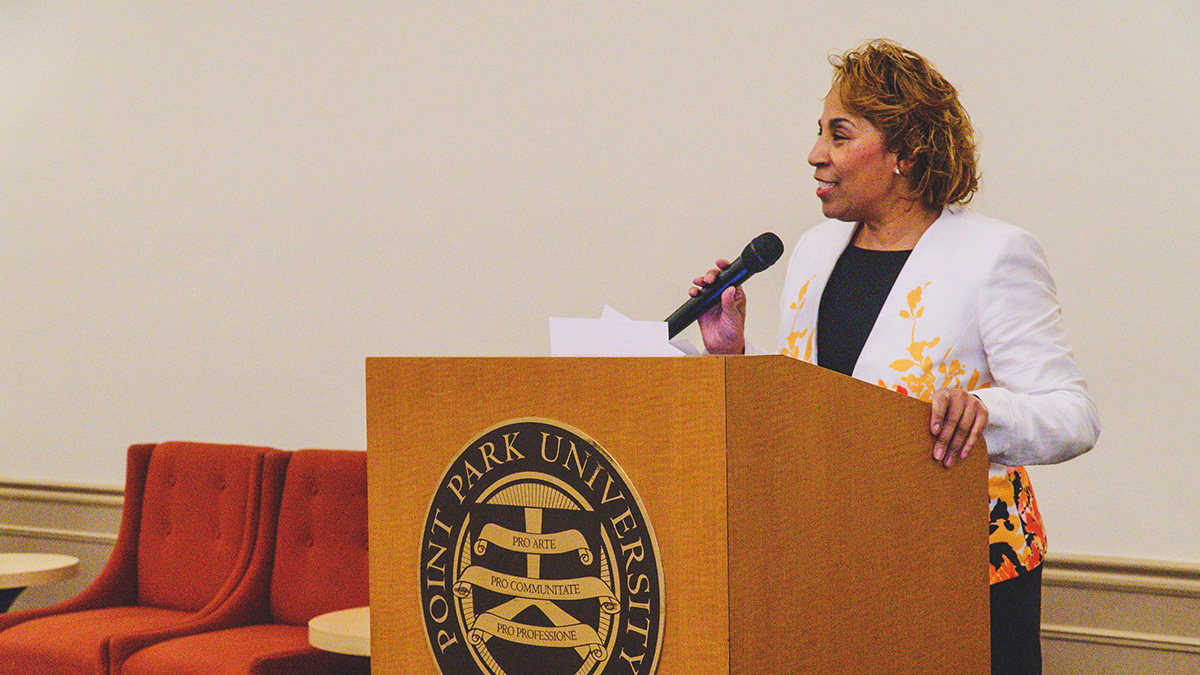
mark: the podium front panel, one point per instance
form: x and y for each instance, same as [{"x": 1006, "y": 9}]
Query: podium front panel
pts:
[{"x": 661, "y": 420}]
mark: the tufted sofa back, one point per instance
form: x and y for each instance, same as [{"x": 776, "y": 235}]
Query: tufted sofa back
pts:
[
  {"x": 198, "y": 521},
  {"x": 321, "y": 539}
]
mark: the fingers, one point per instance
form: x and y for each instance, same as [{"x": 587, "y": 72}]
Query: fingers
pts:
[
  {"x": 961, "y": 432},
  {"x": 711, "y": 275},
  {"x": 734, "y": 300},
  {"x": 732, "y": 323},
  {"x": 731, "y": 310},
  {"x": 941, "y": 400},
  {"x": 945, "y": 420},
  {"x": 981, "y": 420},
  {"x": 708, "y": 277},
  {"x": 957, "y": 420}
]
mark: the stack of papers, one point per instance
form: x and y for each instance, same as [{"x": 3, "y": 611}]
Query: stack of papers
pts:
[{"x": 614, "y": 334}]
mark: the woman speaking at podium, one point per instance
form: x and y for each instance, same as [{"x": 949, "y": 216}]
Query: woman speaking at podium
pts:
[{"x": 906, "y": 289}]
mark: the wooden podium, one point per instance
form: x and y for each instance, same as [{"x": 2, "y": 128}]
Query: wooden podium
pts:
[{"x": 802, "y": 525}]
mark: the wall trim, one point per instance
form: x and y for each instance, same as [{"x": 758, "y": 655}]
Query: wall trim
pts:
[
  {"x": 1120, "y": 638},
  {"x": 61, "y": 493},
  {"x": 1126, "y": 575},
  {"x": 1114, "y": 580},
  {"x": 52, "y": 534},
  {"x": 88, "y": 497}
]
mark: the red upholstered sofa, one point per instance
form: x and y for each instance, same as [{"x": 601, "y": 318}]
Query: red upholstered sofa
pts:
[
  {"x": 311, "y": 558},
  {"x": 186, "y": 539}
]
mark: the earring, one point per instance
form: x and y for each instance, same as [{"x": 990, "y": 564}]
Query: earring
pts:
[{"x": 897, "y": 170}]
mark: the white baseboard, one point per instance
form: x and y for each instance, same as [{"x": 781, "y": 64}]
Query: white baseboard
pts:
[
  {"x": 1120, "y": 615},
  {"x": 52, "y": 534},
  {"x": 1121, "y": 638}
]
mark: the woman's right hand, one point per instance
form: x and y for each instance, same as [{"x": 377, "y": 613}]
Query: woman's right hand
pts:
[{"x": 723, "y": 327}]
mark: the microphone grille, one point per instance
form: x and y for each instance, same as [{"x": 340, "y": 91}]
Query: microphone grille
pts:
[{"x": 762, "y": 252}]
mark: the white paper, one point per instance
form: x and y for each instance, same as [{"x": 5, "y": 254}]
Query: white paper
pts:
[
  {"x": 613, "y": 334},
  {"x": 685, "y": 345},
  {"x": 610, "y": 314}
]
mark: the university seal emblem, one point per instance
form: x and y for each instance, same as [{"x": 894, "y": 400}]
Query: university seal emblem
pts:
[{"x": 537, "y": 557}]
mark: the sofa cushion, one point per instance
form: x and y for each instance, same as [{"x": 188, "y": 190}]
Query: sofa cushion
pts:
[
  {"x": 240, "y": 651},
  {"x": 321, "y": 540},
  {"x": 68, "y": 644},
  {"x": 197, "y": 514}
]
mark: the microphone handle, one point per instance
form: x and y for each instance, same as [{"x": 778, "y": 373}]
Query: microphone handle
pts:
[{"x": 708, "y": 296}]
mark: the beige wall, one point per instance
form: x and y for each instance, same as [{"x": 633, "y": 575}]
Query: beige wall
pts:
[{"x": 214, "y": 211}]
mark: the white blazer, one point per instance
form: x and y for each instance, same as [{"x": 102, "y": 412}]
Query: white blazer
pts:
[{"x": 974, "y": 307}]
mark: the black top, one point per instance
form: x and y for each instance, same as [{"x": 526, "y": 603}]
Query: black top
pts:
[{"x": 857, "y": 288}]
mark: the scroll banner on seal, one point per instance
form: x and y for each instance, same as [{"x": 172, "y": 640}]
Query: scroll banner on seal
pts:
[
  {"x": 571, "y": 635},
  {"x": 581, "y": 588},
  {"x": 525, "y": 542}
]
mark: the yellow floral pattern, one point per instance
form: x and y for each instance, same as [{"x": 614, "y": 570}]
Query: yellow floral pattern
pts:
[
  {"x": 796, "y": 338},
  {"x": 920, "y": 380},
  {"x": 1017, "y": 537}
]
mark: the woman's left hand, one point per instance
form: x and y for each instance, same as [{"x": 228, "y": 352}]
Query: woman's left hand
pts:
[{"x": 957, "y": 423}]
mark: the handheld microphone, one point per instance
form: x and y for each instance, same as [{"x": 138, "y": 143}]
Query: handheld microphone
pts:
[{"x": 758, "y": 255}]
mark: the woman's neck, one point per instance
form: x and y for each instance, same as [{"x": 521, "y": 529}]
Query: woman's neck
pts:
[{"x": 900, "y": 232}]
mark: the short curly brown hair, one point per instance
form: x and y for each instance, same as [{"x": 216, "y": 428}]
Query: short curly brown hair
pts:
[{"x": 919, "y": 115}]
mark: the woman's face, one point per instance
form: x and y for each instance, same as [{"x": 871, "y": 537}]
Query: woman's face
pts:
[{"x": 856, "y": 175}]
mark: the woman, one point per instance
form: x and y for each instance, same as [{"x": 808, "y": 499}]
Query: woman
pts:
[{"x": 905, "y": 289}]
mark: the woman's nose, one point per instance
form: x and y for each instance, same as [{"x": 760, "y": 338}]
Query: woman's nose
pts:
[{"x": 819, "y": 155}]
